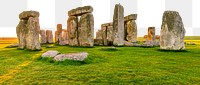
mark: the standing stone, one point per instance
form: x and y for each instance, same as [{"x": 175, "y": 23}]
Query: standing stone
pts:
[
  {"x": 59, "y": 28},
  {"x": 104, "y": 35},
  {"x": 86, "y": 30},
  {"x": 172, "y": 31},
  {"x": 49, "y": 36},
  {"x": 99, "y": 40},
  {"x": 28, "y": 30},
  {"x": 32, "y": 37},
  {"x": 65, "y": 35},
  {"x": 22, "y": 30},
  {"x": 72, "y": 29},
  {"x": 98, "y": 34},
  {"x": 131, "y": 31},
  {"x": 118, "y": 25},
  {"x": 43, "y": 37},
  {"x": 110, "y": 35},
  {"x": 58, "y": 34},
  {"x": 151, "y": 34}
]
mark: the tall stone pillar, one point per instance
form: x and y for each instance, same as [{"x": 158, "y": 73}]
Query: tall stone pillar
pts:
[{"x": 118, "y": 25}]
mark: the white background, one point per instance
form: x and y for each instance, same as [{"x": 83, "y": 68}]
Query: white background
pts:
[{"x": 149, "y": 14}]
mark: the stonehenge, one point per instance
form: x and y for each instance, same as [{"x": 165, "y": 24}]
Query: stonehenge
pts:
[
  {"x": 81, "y": 32},
  {"x": 172, "y": 32},
  {"x": 28, "y": 30},
  {"x": 122, "y": 31}
]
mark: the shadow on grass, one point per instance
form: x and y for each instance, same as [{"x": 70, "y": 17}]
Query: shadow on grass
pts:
[
  {"x": 161, "y": 50},
  {"x": 28, "y": 50},
  {"x": 111, "y": 49}
]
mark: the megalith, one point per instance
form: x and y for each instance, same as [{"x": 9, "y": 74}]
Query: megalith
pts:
[
  {"x": 118, "y": 25},
  {"x": 28, "y": 30},
  {"x": 172, "y": 31}
]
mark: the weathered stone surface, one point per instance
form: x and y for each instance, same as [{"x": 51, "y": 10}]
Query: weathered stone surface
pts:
[
  {"x": 118, "y": 25},
  {"x": 99, "y": 34},
  {"x": 22, "y": 31},
  {"x": 59, "y": 28},
  {"x": 32, "y": 38},
  {"x": 86, "y": 30},
  {"x": 126, "y": 43},
  {"x": 151, "y": 34},
  {"x": 72, "y": 29},
  {"x": 158, "y": 37},
  {"x": 105, "y": 25},
  {"x": 131, "y": 31},
  {"x": 26, "y": 14},
  {"x": 172, "y": 31},
  {"x": 65, "y": 35},
  {"x": 130, "y": 17},
  {"x": 43, "y": 37},
  {"x": 72, "y": 56},
  {"x": 49, "y": 36},
  {"x": 56, "y": 36},
  {"x": 80, "y": 11},
  {"x": 110, "y": 35},
  {"x": 104, "y": 36},
  {"x": 28, "y": 30},
  {"x": 64, "y": 42},
  {"x": 51, "y": 53}
]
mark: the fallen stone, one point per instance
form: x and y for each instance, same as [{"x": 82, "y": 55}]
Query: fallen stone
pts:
[
  {"x": 51, "y": 53},
  {"x": 72, "y": 56}
]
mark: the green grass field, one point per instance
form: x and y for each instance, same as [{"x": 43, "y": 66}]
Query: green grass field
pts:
[{"x": 127, "y": 65}]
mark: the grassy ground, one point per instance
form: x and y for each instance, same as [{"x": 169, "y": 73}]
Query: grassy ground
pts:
[{"x": 127, "y": 65}]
